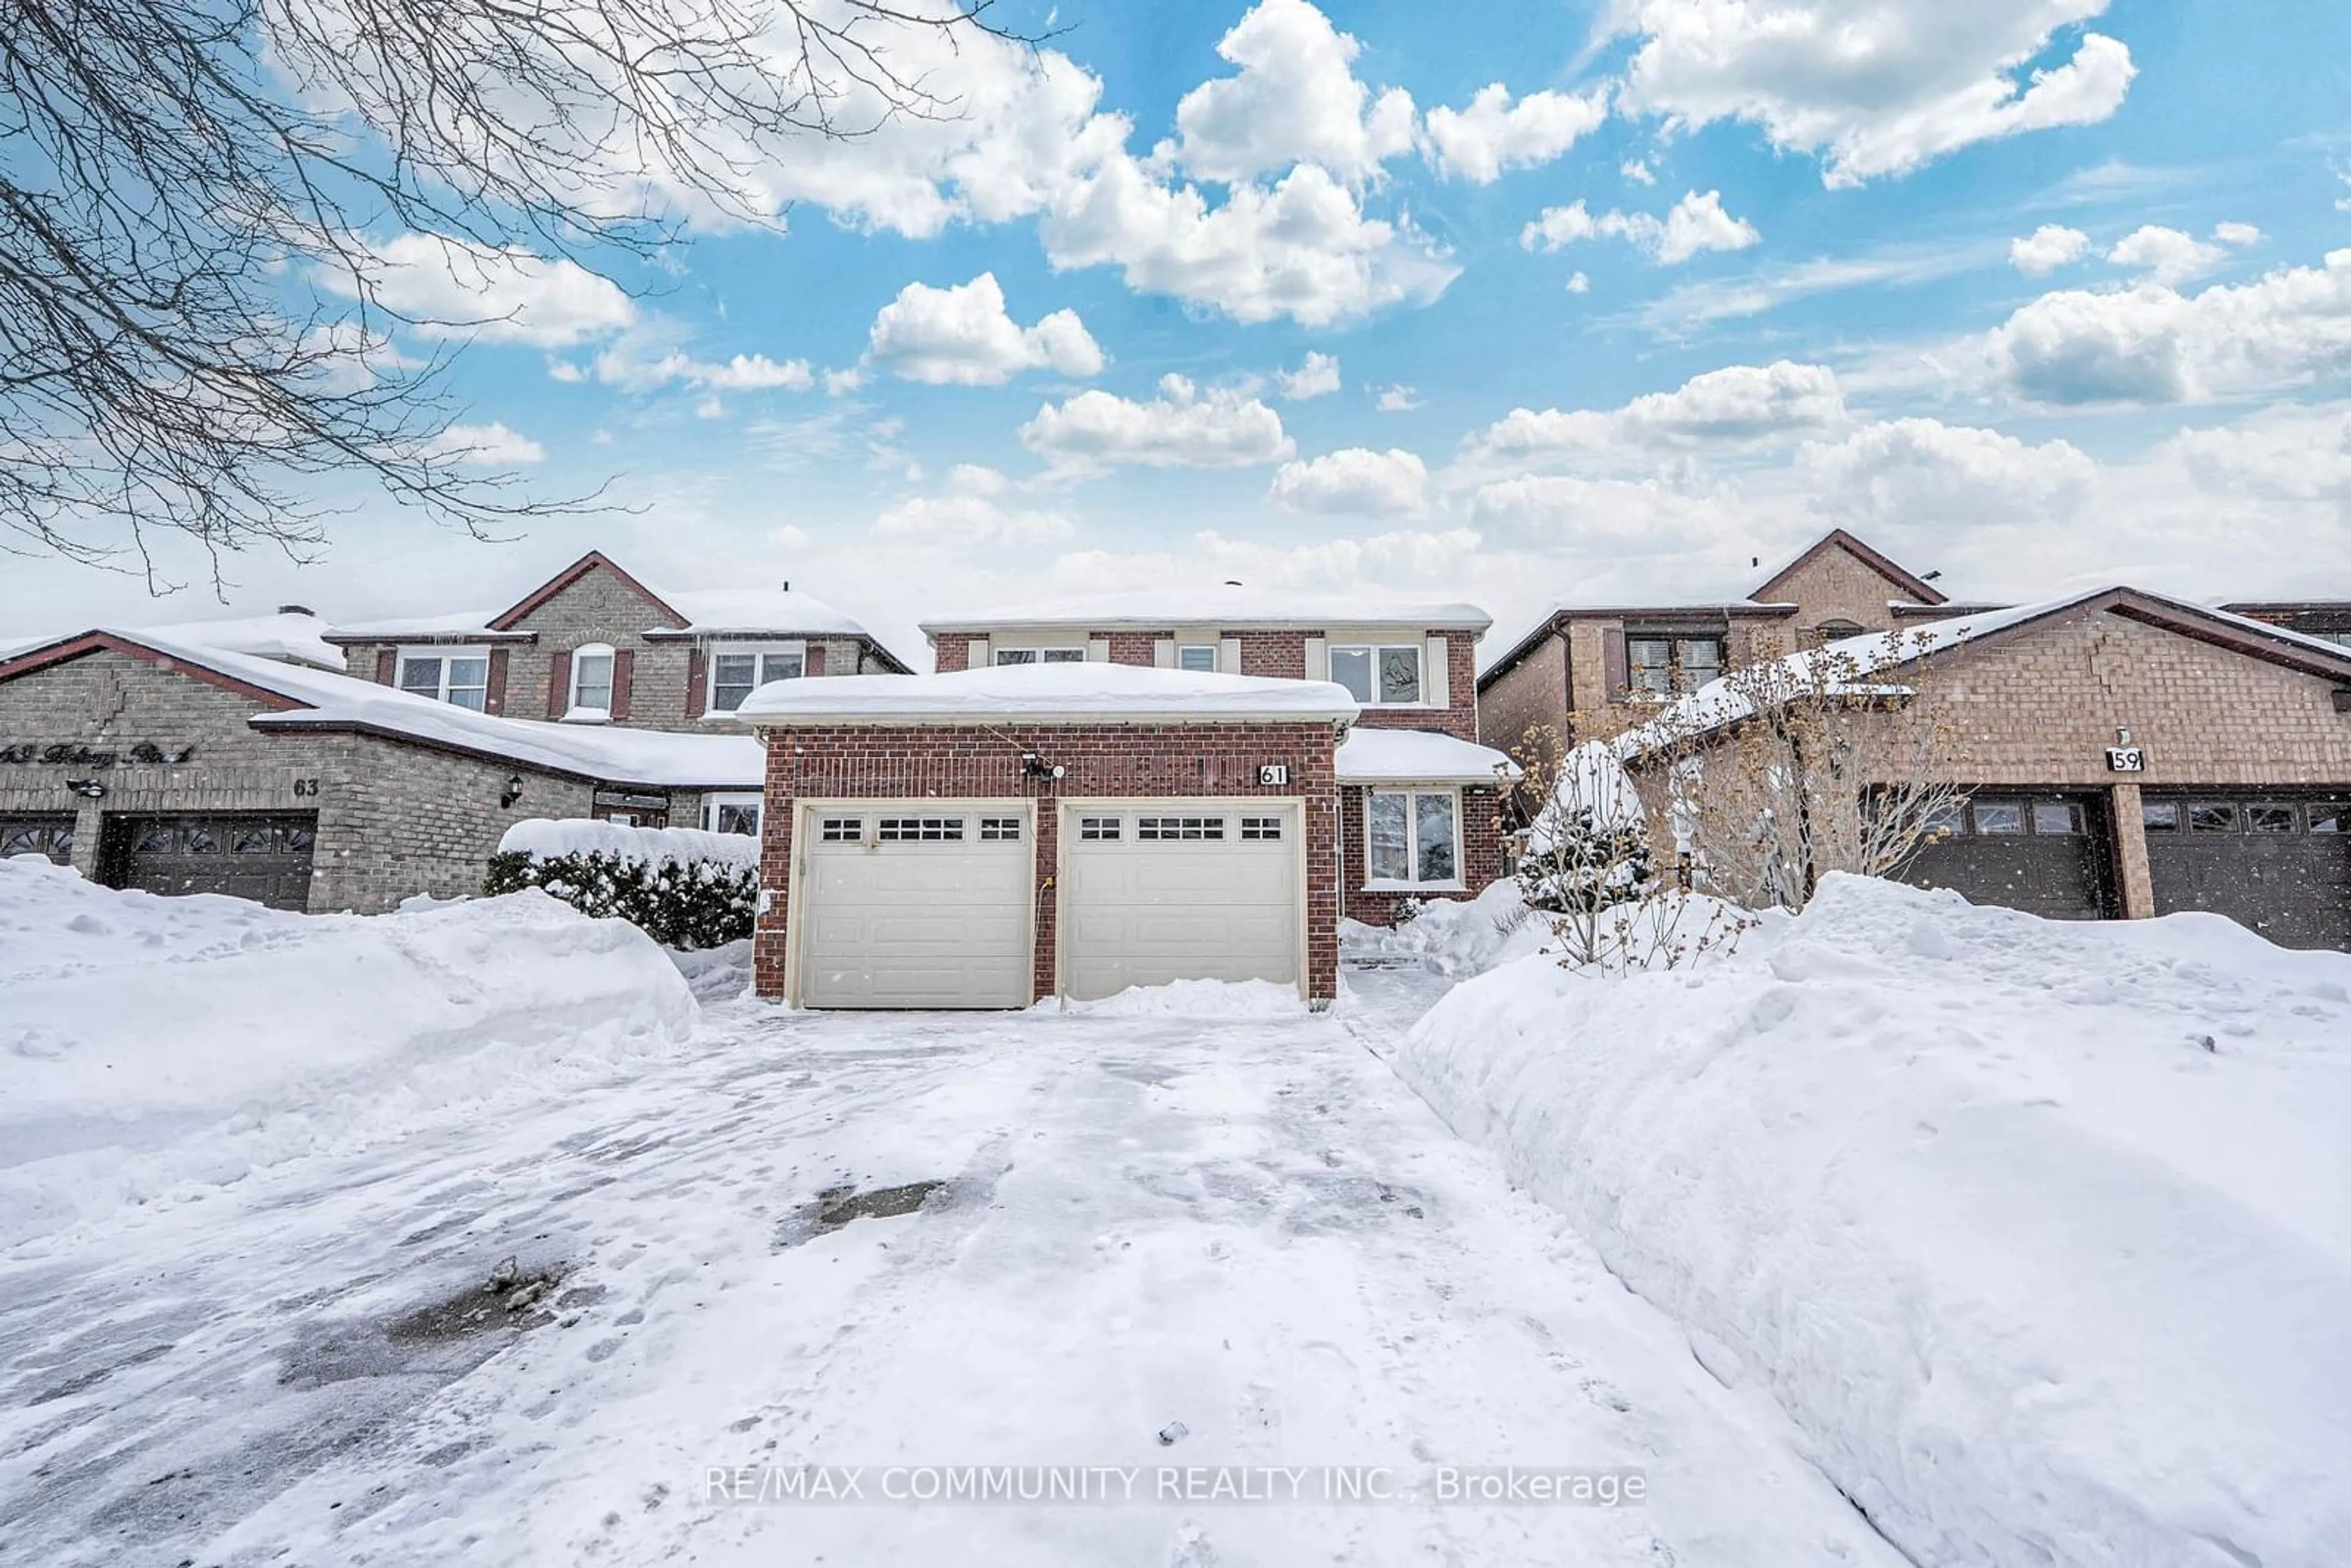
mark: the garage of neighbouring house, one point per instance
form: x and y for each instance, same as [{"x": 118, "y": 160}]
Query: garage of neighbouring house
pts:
[{"x": 989, "y": 838}]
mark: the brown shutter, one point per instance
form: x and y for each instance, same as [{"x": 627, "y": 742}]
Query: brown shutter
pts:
[
  {"x": 697, "y": 681},
  {"x": 386, "y": 662},
  {"x": 623, "y": 661},
  {"x": 559, "y": 684},
  {"x": 815, "y": 665},
  {"x": 494, "y": 700},
  {"x": 1620, "y": 675}
]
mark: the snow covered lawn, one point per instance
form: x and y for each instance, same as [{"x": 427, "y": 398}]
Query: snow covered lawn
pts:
[
  {"x": 1161, "y": 1240},
  {"x": 2041, "y": 1232}
]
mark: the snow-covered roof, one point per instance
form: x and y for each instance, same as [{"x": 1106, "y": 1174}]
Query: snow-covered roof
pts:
[
  {"x": 1419, "y": 756},
  {"x": 600, "y": 752},
  {"x": 1072, "y": 692},
  {"x": 286, "y": 635},
  {"x": 1228, "y": 606},
  {"x": 398, "y": 628},
  {"x": 754, "y": 610}
]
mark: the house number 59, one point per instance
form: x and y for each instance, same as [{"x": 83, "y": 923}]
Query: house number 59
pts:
[{"x": 306, "y": 787}]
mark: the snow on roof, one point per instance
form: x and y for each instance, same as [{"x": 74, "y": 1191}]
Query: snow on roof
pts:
[
  {"x": 601, "y": 752},
  {"x": 457, "y": 622},
  {"x": 1071, "y": 691},
  {"x": 1227, "y": 606},
  {"x": 297, "y": 638},
  {"x": 756, "y": 609},
  {"x": 1419, "y": 756}
]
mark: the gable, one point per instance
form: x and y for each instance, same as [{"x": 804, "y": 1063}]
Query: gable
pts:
[
  {"x": 1839, "y": 572},
  {"x": 592, "y": 584},
  {"x": 93, "y": 643}
]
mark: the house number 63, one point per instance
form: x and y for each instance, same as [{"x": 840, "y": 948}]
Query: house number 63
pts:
[{"x": 306, "y": 787}]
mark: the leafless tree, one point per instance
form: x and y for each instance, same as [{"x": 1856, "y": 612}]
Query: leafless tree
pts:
[{"x": 193, "y": 338}]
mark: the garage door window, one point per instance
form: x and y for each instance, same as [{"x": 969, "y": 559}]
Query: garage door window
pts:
[
  {"x": 2160, "y": 816},
  {"x": 1169, "y": 829},
  {"x": 999, "y": 830},
  {"x": 1414, "y": 838},
  {"x": 2330, "y": 819},
  {"x": 1098, "y": 830},
  {"x": 842, "y": 831},
  {"x": 2056, "y": 816},
  {"x": 2211, "y": 816},
  {"x": 1999, "y": 816},
  {"x": 1260, "y": 829},
  {"x": 920, "y": 829},
  {"x": 2271, "y": 817}
]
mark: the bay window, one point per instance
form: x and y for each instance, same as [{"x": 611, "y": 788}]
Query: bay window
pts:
[
  {"x": 1379, "y": 674},
  {"x": 737, "y": 673},
  {"x": 1413, "y": 838},
  {"x": 460, "y": 676}
]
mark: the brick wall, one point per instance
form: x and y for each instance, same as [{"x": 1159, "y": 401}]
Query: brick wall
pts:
[
  {"x": 1530, "y": 693},
  {"x": 847, "y": 762},
  {"x": 1481, "y": 856},
  {"x": 1835, "y": 585}
]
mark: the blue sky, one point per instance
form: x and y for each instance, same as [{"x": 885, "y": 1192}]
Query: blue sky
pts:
[{"x": 2034, "y": 294}]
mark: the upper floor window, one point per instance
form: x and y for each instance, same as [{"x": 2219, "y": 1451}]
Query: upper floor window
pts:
[
  {"x": 1661, "y": 667},
  {"x": 1832, "y": 630},
  {"x": 459, "y": 675},
  {"x": 2343, "y": 638},
  {"x": 591, "y": 680},
  {"x": 736, "y": 672},
  {"x": 1379, "y": 675},
  {"x": 1199, "y": 657},
  {"x": 1041, "y": 655}
]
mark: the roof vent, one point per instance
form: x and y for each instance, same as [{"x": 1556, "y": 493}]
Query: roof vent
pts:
[{"x": 298, "y": 610}]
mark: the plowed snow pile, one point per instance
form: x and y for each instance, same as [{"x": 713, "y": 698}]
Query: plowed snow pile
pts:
[
  {"x": 153, "y": 1044},
  {"x": 2041, "y": 1231}
]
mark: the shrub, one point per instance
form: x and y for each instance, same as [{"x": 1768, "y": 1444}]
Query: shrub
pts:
[{"x": 682, "y": 887}]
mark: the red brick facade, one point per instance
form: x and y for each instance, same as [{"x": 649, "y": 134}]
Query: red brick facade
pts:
[
  {"x": 1481, "y": 856},
  {"x": 852, "y": 761}
]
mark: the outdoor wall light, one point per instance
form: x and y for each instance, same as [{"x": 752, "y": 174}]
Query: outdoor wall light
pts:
[
  {"x": 87, "y": 788},
  {"x": 511, "y": 793},
  {"x": 1035, "y": 767},
  {"x": 2122, "y": 735}
]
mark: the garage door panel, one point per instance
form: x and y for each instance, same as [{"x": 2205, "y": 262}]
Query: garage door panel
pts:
[
  {"x": 2280, "y": 866},
  {"x": 939, "y": 922},
  {"x": 1141, "y": 911},
  {"x": 2044, "y": 854},
  {"x": 266, "y": 859}
]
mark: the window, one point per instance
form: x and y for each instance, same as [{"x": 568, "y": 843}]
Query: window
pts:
[
  {"x": 731, "y": 814},
  {"x": 737, "y": 673},
  {"x": 842, "y": 829},
  {"x": 2271, "y": 817},
  {"x": 1413, "y": 838},
  {"x": 250, "y": 841},
  {"x": 1163, "y": 830},
  {"x": 2211, "y": 816},
  {"x": 458, "y": 675},
  {"x": 2056, "y": 818},
  {"x": 2342, "y": 639},
  {"x": 2330, "y": 817},
  {"x": 1831, "y": 631},
  {"x": 1199, "y": 656},
  {"x": 201, "y": 841},
  {"x": 1041, "y": 655},
  {"x": 2159, "y": 816},
  {"x": 1098, "y": 830},
  {"x": 999, "y": 830},
  {"x": 920, "y": 829},
  {"x": 1383, "y": 675},
  {"x": 592, "y": 679},
  {"x": 1662, "y": 666},
  {"x": 1944, "y": 821},
  {"x": 1260, "y": 829},
  {"x": 2000, "y": 816}
]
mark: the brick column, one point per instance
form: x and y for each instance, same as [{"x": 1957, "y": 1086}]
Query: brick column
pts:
[
  {"x": 2133, "y": 875},
  {"x": 89, "y": 821}
]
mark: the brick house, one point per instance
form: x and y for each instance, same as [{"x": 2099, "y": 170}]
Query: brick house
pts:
[{"x": 1419, "y": 798}]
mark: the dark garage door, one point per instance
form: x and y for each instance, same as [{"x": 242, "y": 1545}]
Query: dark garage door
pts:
[
  {"x": 49, "y": 834},
  {"x": 2045, "y": 854},
  {"x": 266, "y": 859},
  {"x": 2278, "y": 865}
]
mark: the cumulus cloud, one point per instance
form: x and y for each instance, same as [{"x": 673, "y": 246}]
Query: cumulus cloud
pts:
[
  {"x": 1295, "y": 101},
  {"x": 1478, "y": 143},
  {"x": 2047, "y": 248},
  {"x": 968, "y": 513},
  {"x": 1578, "y": 284},
  {"x": 485, "y": 446},
  {"x": 2237, "y": 233},
  {"x": 1355, "y": 479},
  {"x": 963, "y": 335},
  {"x": 1696, "y": 224},
  {"x": 2167, "y": 256},
  {"x": 1736, "y": 405},
  {"x": 2288, "y": 454},
  {"x": 1316, "y": 376},
  {"x": 1638, "y": 170},
  {"x": 1902, "y": 473},
  {"x": 1397, "y": 399},
  {"x": 1873, "y": 87},
  {"x": 642, "y": 360},
  {"x": 1632, "y": 517},
  {"x": 1182, "y": 427},
  {"x": 452, "y": 287}
]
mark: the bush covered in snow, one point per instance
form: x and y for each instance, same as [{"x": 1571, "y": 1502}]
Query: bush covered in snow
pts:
[
  {"x": 682, "y": 887},
  {"x": 2036, "y": 1228}
]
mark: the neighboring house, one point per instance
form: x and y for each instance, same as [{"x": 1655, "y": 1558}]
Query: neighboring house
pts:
[
  {"x": 2328, "y": 620},
  {"x": 593, "y": 645},
  {"x": 1583, "y": 658},
  {"x": 1419, "y": 799}
]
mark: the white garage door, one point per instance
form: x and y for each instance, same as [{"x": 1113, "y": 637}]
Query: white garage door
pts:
[
  {"x": 915, "y": 907},
  {"x": 1177, "y": 890}
]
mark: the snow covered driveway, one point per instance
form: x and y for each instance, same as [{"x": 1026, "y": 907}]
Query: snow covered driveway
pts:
[{"x": 1247, "y": 1235}]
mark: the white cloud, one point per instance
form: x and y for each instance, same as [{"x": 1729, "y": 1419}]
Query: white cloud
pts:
[
  {"x": 842, "y": 383},
  {"x": 1909, "y": 472},
  {"x": 1354, "y": 479},
  {"x": 2288, "y": 454},
  {"x": 1180, "y": 428},
  {"x": 1696, "y": 224},
  {"x": 711, "y": 407},
  {"x": 970, "y": 514},
  {"x": 642, "y": 360},
  {"x": 752, "y": 372},
  {"x": 1638, "y": 170},
  {"x": 2167, "y": 256},
  {"x": 963, "y": 335},
  {"x": 1492, "y": 134},
  {"x": 1578, "y": 284},
  {"x": 1316, "y": 376},
  {"x": 1296, "y": 101},
  {"x": 2154, "y": 344},
  {"x": 2047, "y": 248},
  {"x": 1875, "y": 87},
  {"x": 485, "y": 446},
  {"x": 452, "y": 288},
  {"x": 1736, "y": 405},
  {"x": 565, "y": 370},
  {"x": 2237, "y": 233},
  {"x": 1397, "y": 399},
  {"x": 1626, "y": 517}
]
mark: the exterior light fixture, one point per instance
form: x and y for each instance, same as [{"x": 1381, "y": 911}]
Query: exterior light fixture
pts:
[
  {"x": 511, "y": 793},
  {"x": 1035, "y": 767},
  {"x": 87, "y": 788}
]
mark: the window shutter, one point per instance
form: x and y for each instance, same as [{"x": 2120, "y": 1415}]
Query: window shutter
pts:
[
  {"x": 623, "y": 662},
  {"x": 812, "y": 662},
  {"x": 387, "y": 662},
  {"x": 978, "y": 654},
  {"x": 1620, "y": 678},
  {"x": 697, "y": 683},
  {"x": 1228, "y": 658},
  {"x": 1163, "y": 652},
  {"x": 559, "y": 684},
  {"x": 494, "y": 700},
  {"x": 1098, "y": 651},
  {"x": 1317, "y": 659},
  {"x": 1436, "y": 675}
]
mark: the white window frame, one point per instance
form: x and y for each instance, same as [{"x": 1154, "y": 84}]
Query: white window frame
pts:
[
  {"x": 1210, "y": 649},
  {"x": 738, "y": 798},
  {"x": 446, "y": 656},
  {"x": 1419, "y": 651},
  {"x": 759, "y": 653},
  {"x": 1049, "y": 654},
  {"x": 574, "y": 710},
  {"x": 1415, "y": 882}
]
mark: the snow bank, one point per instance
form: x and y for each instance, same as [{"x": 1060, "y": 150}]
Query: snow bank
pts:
[
  {"x": 2040, "y": 1231},
  {"x": 1192, "y": 999},
  {"x": 545, "y": 838},
  {"x": 1455, "y": 937},
  {"x": 151, "y": 1044}
]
